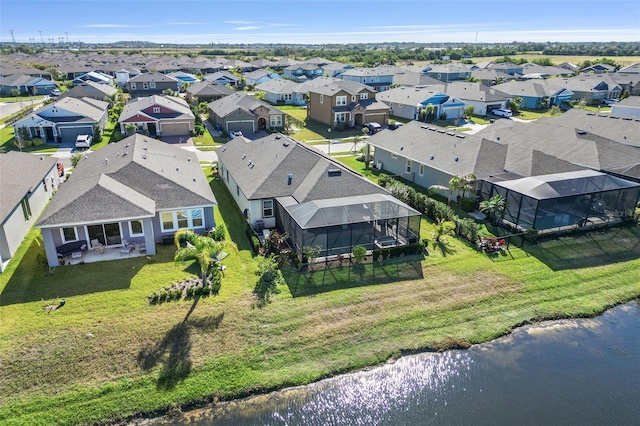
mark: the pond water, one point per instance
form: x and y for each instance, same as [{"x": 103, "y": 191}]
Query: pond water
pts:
[{"x": 574, "y": 372}]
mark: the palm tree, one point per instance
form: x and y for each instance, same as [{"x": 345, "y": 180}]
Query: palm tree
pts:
[
  {"x": 469, "y": 183},
  {"x": 493, "y": 206},
  {"x": 442, "y": 229},
  {"x": 456, "y": 183},
  {"x": 499, "y": 79},
  {"x": 429, "y": 112},
  {"x": 198, "y": 247}
]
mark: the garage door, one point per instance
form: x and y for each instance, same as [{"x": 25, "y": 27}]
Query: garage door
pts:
[
  {"x": 70, "y": 134},
  {"x": 175, "y": 129},
  {"x": 245, "y": 127}
]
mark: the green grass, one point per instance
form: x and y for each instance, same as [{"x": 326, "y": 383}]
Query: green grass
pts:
[
  {"x": 107, "y": 353},
  {"x": 24, "y": 98},
  {"x": 480, "y": 120}
]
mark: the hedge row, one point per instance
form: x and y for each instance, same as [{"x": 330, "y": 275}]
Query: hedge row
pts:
[{"x": 433, "y": 209}]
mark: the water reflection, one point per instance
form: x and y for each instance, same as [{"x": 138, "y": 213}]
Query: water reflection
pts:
[{"x": 583, "y": 371}]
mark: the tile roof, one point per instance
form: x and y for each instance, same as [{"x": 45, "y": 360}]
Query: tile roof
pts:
[{"x": 135, "y": 177}]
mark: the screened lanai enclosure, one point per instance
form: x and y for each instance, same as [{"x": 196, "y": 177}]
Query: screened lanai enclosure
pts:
[
  {"x": 572, "y": 199},
  {"x": 339, "y": 224}
]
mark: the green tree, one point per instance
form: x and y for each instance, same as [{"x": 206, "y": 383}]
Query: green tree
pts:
[
  {"x": 469, "y": 183},
  {"x": 498, "y": 80},
  {"x": 442, "y": 229},
  {"x": 515, "y": 104},
  {"x": 130, "y": 128},
  {"x": 494, "y": 206},
  {"x": 97, "y": 134},
  {"x": 430, "y": 112},
  {"x": 471, "y": 79},
  {"x": 75, "y": 159},
  {"x": 15, "y": 93},
  {"x": 270, "y": 277},
  {"x": 197, "y": 247},
  {"x": 21, "y": 134},
  {"x": 359, "y": 253},
  {"x": 469, "y": 110}
]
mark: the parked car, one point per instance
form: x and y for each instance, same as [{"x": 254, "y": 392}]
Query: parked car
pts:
[
  {"x": 394, "y": 126},
  {"x": 55, "y": 93},
  {"x": 373, "y": 127},
  {"x": 609, "y": 101},
  {"x": 234, "y": 134},
  {"x": 84, "y": 141},
  {"x": 501, "y": 112}
]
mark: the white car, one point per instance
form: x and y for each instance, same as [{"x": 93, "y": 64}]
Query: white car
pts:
[
  {"x": 233, "y": 135},
  {"x": 84, "y": 141},
  {"x": 501, "y": 112}
]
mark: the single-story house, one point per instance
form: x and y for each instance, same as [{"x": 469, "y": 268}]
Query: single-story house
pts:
[
  {"x": 260, "y": 76},
  {"x": 280, "y": 183},
  {"x": 283, "y": 92},
  {"x": 26, "y": 85},
  {"x": 483, "y": 98},
  {"x": 222, "y": 78},
  {"x": 241, "y": 112},
  {"x": 158, "y": 115},
  {"x": 537, "y": 94},
  {"x": 184, "y": 77},
  {"x": 206, "y": 91},
  {"x": 27, "y": 182},
  {"x": 90, "y": 90},
  {"x": 629, "y": 107},
  {"x": 96, "y": 77},
  {"x": 136, "y": 192},
  {"x": 65, "y": 119},
  {"x": 598, "y": 69}
]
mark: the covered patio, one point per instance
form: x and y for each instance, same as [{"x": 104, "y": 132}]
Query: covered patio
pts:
[
  {"x": 106, "y": 254},
  {"x": 339, "y": 224}
]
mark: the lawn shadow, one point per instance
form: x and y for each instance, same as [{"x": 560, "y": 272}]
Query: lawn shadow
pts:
[
  {"x": 231, "y": 214},
  {"x": 33, "y": 280},
  {"x": 596, "y": 248},
  {"x": 445, "y": 248},
  {"x": 325, "y": 279},
  {"x": 174, "y": 350}
]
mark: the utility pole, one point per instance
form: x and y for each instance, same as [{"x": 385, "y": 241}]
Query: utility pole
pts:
[
  {"x": 12, "y": 37},
  {"x": 67, "y": 34},
  {"x": 41, "y": 39}
]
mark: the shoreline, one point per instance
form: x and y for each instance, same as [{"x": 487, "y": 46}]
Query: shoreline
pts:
[{"x": 143, "y": 419}]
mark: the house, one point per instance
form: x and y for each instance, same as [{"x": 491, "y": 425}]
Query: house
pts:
[
  {"x": 262, "y": 63},
  {"x": 345, "y": 104},
  {"x": 489, "y": 77},
  {"x": 26, "y": 85},
  {"x": 449, "y": 72},
  {"x": 222, "y": 78},
  {"x": 505, "y": 67},
  {"x": 302, "y": 72},
  {"x": 483, "y": 98},
  {"x": 90, "y": 90},
  {"x": 260, "y": 76},
  {"x": 206, "y": 91},
  {"x": 629, "y": 107},
  {"x": 139, "y": 190},
  {"x": 283, "y": 63},
  {"x": 158, "y": 115},
  {"x": 536, "y": 94},
  {"x": 633, "y": 69},
  {"x": 405, "y": 77},
  {"x": 280, "y": 183},
  {"x": 240, "y": 112},
  {"x": 335, "y": 69},
  {"x": 592, "y": 88},
  {"x": 65, "y": 119},
  {"x": 283, "y": 92},
  {"x": 95, "y": 77},
  {"x": 27, "y": 182},
  {"x": 530, "y": 70},
  {"x": 598, "y": 69},
  {"x": 380, "y": 78},
  {"x": 151, "y": 84},
  {"x": 408, "y": 102},
  {"x": 125, "y": 74}
]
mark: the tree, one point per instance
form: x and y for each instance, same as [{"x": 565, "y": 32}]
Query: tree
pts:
[
  {"x": 310, "y": 253},
  {"x": 514, "y": 104},
  {"x": 493, "y": 206},
  {"x": 498, "y": 80},
  {"x": 469, "y": 183},
  {"x": 442, "y": 229},
  {"x": 184, "y": 87},
  {"x": 97, "y": 134},
  {"x": 471, "y": 79},
  {"x": 75, "y": 159},
  {"x": 359, "y": 253},
  {"x": 130, "y": 128},
  {"x": 543, "y": 102},
  {"x": 456, "y": 183},
  {"x": 15, "y": 93},
  {"x": 430, "y": 111},
  {"x": 197, "y": 247},
  {"x": 270, "y": 277},
  {"x": 20, "y": 138},
  {"x": 469, "y": 110}
]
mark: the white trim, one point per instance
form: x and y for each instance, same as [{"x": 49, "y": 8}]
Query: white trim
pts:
[
  {"x": 253, "y": 124},
  {"x": 87, "y": 238},
  {"x": 64, "y": 240},
  {"x": 131, "y": 233},
  {"x": 174, "y": 219}
]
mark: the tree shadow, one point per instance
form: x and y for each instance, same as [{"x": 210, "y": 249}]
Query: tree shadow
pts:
[
  {"x": 174, "y": 350},
  {"x": 444, "y": 248}
]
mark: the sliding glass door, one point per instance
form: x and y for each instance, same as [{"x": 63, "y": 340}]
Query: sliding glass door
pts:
[{"x": 108, "y": 234}]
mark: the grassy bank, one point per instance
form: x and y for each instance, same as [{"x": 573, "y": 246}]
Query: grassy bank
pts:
[{"x": 108, "y": 354}]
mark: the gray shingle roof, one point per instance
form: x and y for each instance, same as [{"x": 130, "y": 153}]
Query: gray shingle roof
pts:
[
  {"x": 409, "y": 95},
  {"x": 208, "y": 88},
  {"x": 228, "y": 104},
  {"x": 89, "y": 89},
  {"x": 275, "y": 157},
  {"x": 152, "y": 76},
  {"x": 20, "y": 173},
  {"x": 173, "y": 103},
  {"x": 331, "y": 88},
  {"x": 140, "y": 176},
  {"x": 475, "y": 92}
]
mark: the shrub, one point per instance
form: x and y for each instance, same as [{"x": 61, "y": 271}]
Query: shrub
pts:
[
  {"x": 37, "y": 142},
  {"x": 162, "y": 296},
  {"x": 190, "y": 291},
  {"x": 206, "y": 290},
  {"x": 219, "y": 233},
  {"x": 359, "y": 253},
  {"x": 467, "y": 204}
]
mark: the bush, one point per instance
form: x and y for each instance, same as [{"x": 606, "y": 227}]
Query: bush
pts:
[
  {"x": 467, "y": 204},
  {"x": 359, "y": 253},
  {"x": 37, "y": 142},
  {"x": 219, "y": 233}
]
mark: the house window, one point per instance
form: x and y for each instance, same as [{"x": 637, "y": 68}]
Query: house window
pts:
[
  {"x": 321, "y": 98},
  {"x": 135, "y": 228},
  {"x": 237, "y": 190},
  {"x": 183, "y": 219},
  {"x": 197, "y": 218},
  {"x": 44, "y": 185},
  {"x": 152, "y": 84},
  {"x": 364, "y": 95},
  {"x": 353, "y": 98},
  {"x": 69, "y": 234},
  {"x": 166, "y": 220},
  {"x": 409, "y": 164},
  {"x": 341, "y": 116},
  {"x": 439, "y": 76},
  {"x": 394, "y": 156},
  {"x": 267, "y": 208},
  {"x": 275, "y": 120},
  {"x": 341, "y": 100},
  {"x": 421, "y": 170},
  {"x": 156, "y": 110},
  {"x": 26, "y": 208},
  {"x": 145, "y": 86},
  {"x": 133, "y": 86}
]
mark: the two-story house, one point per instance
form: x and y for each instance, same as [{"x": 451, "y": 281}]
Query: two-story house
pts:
[
  {"x": 380, "y": 78},
  {"x": 343, "y": 104},
  {"x": 302, "y": 72},
  {"x": 449, "y": 72},
  {"x": 151, "y": 84}
]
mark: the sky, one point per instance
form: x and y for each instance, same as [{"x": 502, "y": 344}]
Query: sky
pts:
[{"x": 319, "y": 22}]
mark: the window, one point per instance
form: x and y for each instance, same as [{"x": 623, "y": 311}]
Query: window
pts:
[
  {"x": 341, "y": 117},
  {"x": 197, "y": 218},
  {"x": 183, "y": 221},
  {"x": 421, "y": 171},
  {"x": 439, "y": 76},
  {"x": 237, "y": 190},
  {"x": 135, "y": 228},
  {"x": 364, "y": 95},
  {"x": 409, "y": 164},
  {"x": 44, "y": 185},
  {"x": 275, "y": 120},
  {"x": 321, "y": 98},
  {"x": 267, "y": 208},
  {"x": 133, "y": 86},
  {"x": 69, "y": 234},
  {"x": 156, "y": 110},
  {"x": 26, "y": 208},
  {"x": 341, "y": 100},
  {"x": 353, "y": 98},
  {"x": 145, "y": 86},
  {"x": 166, "y": 219},
  {"x": 394, "y": 156},
  {"x": 152, "y": 84}
]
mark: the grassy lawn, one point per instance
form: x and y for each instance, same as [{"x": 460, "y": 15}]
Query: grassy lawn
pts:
[
  {"x": 6, "y": 142},
  {"x": 25, "y": 98},
  {"x": 107, "y": 353},
  {"x": 480, "y": 120}
]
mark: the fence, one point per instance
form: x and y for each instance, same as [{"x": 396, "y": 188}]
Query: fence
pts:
[{"x": 19, "y": 115}]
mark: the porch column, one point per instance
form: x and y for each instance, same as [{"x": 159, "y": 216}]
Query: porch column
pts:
[
  {"x": 149, "y": 236},
  {"x": 50, "y": 247}
]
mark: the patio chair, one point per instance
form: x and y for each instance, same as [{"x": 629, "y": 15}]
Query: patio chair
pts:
[
  {"x": 126, "y": 247},
  {"x": 97, "y": 246}
]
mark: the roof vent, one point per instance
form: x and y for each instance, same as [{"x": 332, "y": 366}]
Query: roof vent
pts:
[
  {"x": 460, "y": 136},
  {"x": 126, "y": 146},
  {"x": 125, "y": 153},
  {"x": 433, "y": 129},
  {"x": 285, "y": 144},
  {"x": 424, "y": 127},
  {"x": 189, "y": 159},
  {"x": 144, "y": 157},
  {"x": 455, "y": 158},
  {"x": 591, "y": 113},
  {"x": 195, "y": 179},
  {"x": 614, "y": 116},
  {"x": 145, "y": 148},
  {"x": 432, "y": 156},
  {"x": 401, "y": 147},
  {"x": 244, "y": 156},
  {"x": 440, "y": 131},
  {"x": 581, "y": 132},
  {"x": 334, "y": 172},
  {"x": 277, "y": 137},
  {"x": 105, "y": 161},
  {"x": 177, "y": 169},
  {"x": 224, "y": 148}
]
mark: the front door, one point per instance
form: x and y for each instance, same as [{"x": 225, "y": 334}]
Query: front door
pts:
[
  {"x": 262, "y": 123},
  {"x": 107, "y": 234},
  {"x": 151, "y": 127},
  {"x": 48, "y": 131}
]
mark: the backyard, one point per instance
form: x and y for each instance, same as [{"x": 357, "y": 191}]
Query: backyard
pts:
[{"x": 108, "y": 354}]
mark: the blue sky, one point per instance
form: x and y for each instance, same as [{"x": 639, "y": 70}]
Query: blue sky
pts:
[{"x": 326, "y": 21}]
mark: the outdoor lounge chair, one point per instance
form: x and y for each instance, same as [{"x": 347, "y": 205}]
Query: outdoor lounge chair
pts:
[
  {"x": 97, "y": 246},
  {"x": 126, "y": 248}
]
